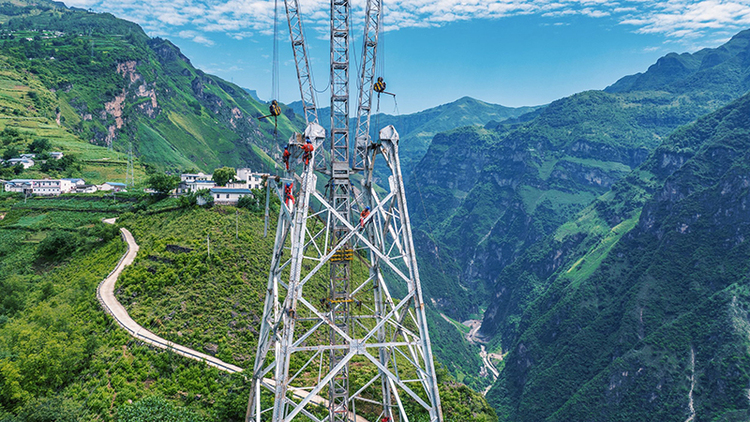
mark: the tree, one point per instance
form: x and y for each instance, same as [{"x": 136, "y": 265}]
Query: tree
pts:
[
  {"x": 39, "y": 145},
  {"x": 223, "y": 175},
  {"x": 10, "y": 152},
  {"x": 162, "y": 183},
  {"x": 57, "y": 245}
]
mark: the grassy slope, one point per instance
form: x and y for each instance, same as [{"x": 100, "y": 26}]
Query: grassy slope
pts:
[
  {"x": 34, "y": 118},
  {"x": 176, "y": 116}
]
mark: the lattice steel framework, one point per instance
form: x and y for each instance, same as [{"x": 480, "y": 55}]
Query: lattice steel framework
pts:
[
  {"x": 366, "y": 81},
  {"x": 130, "y": 172},
  {"x": 339, "y": 195},
  {"x": 381, "y": 338},
  {"x": 328, "y": 310}
]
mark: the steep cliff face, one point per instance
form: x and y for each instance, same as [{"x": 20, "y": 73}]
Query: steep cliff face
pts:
[{"x": 638, "y": 309}]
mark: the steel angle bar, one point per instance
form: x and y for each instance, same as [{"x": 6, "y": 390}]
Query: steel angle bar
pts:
[
  {"x": 310, "y": 360},
  {"x": 386, "y": 318},
  {"x": 325, "y": 319},
  {"x": 368, "y": 243},
  {"x": 314, "y": 392},
  {"x": 325, "y": 347},
  {"x": 364, "y": 387},
  {"x": 310, "y": 332},
  {"x": 363, "y": 285},
  {"x": 397, "y": 380},
  {"x": 413, "y": 363}
]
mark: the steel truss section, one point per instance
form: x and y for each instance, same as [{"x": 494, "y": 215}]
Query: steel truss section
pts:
[
  {"x": 366, "y": 81},
  {"x": 299, "y": 48},
  {"x": 380, "y": 342}
]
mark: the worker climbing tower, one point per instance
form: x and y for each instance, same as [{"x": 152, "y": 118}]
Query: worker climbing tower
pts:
[{"x": 343, "y": 335}]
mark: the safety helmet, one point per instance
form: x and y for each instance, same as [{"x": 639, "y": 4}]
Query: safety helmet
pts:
[
  {"x": 367, "y": 208},
  {"x": 308, "y": 141}
]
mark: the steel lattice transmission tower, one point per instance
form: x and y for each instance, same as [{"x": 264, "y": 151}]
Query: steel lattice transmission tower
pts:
[
  {"x": 335, "y": 344},
  {"x": 130, "y": 172}
]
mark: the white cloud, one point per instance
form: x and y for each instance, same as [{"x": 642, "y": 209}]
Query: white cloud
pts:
[
  {"x": 195, "y": 36},
  {"x": 679, "y": 19}
]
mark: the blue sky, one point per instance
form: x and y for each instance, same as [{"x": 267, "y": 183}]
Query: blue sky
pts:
[{"x": 509, "y": 52}]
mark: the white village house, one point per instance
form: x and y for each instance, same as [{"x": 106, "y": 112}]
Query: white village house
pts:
[
  {"x": 43, "y": 187},
  {"x": 228, "y": 196},
  {"x": 194, "y": 186},
  {"x": 253, "y": 180},
  {"x": 112, "y": 186},
  {"x": 19, "y": 185},
  {"x": 25, "y": 162}
]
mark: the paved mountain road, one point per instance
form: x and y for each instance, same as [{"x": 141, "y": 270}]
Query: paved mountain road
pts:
[{"x": 105, "y": 292}]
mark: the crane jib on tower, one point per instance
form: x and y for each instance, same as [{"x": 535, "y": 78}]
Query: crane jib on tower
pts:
[{"x": 335, "y": 344}]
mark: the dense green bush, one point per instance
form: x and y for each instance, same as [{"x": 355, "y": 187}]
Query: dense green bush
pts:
[
  {"x": 57, "y": 245},
  {"x": 155, "y": 409}
]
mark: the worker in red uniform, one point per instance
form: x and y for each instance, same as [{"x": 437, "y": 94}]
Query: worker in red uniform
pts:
[
  {"x": 308, "y": 149},
  {"x": 287, "y": 154},
  {"x": 386, "y": 419},
  {"x": 288, "y": 196},
  {"x": 363, "y": 216}
]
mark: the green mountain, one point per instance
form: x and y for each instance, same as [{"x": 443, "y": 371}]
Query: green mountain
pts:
[
  {"x": 719, "y": 72},
  {"x": 637, "y": 308},
  {"x": 483, "y": 195},
  {"x": 416, "y": 130},
  {"x": 110, "y": 84}
]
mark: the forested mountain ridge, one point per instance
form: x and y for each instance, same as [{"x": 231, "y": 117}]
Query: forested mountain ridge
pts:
[
  {"x": 638, "y": 308},
  {"x": 483, "y": 195},
  {"x": 111, "y": 84},
  {"x": 416, "y": 130},
  {"x": 716, "y": 71}
]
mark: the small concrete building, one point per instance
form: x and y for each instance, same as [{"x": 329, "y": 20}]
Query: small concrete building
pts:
[
  {"x": 48, "y": 187},
  {"x": 192, "y": 177},
  {"x": 253, "y": 180},
  {"x": 228, "y": 196},
  {"x": 194, "y": 186},
  {"x": 70, "y": 184},
  {"x": 84, "y": 189},
  {"x": 19, "y": 185},
  {"x": 112, "y": 186},
  {"x": 56, "y": 155},
  {"x": 25, "y": 162}
]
